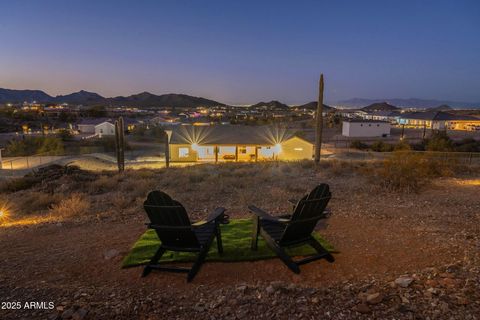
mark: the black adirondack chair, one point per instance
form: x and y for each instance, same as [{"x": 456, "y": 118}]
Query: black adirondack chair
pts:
[
  {"x": 170, "y": 220},
  {"x": 294, "y": 230}
]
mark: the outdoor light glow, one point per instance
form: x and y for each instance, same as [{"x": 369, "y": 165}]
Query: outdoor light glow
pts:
[
  {"x": 3, "y": 215},
  {"x": 194, "y": 146},
  {"x": 277, "y": 148}
]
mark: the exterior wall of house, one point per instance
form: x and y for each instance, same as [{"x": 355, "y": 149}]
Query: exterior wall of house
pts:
[
  {"x": 182, "y": 153},
  {"x": 292, "y": 149},
  {"x": 105, "y": 129},
  {"x": 365, "y": 129},
  {"x": 86, "y": 128},
  {"x": 468, "y": 125},
  {"x": 295, "y": 149}
]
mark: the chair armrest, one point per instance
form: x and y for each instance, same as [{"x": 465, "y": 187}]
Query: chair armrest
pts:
[
  {"x": 264, "y": 215},
  {"x": 217, "y": 214}
]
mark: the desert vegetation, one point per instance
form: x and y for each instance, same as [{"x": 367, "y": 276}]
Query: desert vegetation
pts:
[
  {"x": 439, "y": 142},
  {"x": 390, "y": 221}
]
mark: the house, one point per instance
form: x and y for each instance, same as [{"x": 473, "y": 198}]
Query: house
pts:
[
  {"x": 382, "y": 115},
  {"x": 439, "y": 120},
  {"x": 365, "y": 128},
  {"x": 88, "y": 125},
  {"x": 236, "y": 143},
  {"x": 104, "y": 126}
]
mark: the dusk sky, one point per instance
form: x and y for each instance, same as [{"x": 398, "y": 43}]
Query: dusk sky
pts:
[{"x": 244, "y": 51}]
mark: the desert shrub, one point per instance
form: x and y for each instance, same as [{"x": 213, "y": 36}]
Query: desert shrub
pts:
[
  {"x": 51, "y": 146},
  {"x": 357, "y": 144},
  {"x": 14, "y": 185},
  {"x": 103, "y": 184},
  {"x": 65, "y": 135},
  {"x": 120, "y": 201},
  {"x": 75, "y": 205},
  {"x": 403, "y": 171},
  {"x": 35, "y": 145},
  {"x": 402, "y": 146},
  {"x": 468, "y": 145},
  {"x": 35, "y": 201},
  {"x": 439, "y": 141},
  {"x": 381, "y": 146},
  {"x": 135, "y": 188}
]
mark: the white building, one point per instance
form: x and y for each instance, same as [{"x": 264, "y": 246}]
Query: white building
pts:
[
  {"x": 365, "y": 128},
  {"x": 105, "y": 129}
]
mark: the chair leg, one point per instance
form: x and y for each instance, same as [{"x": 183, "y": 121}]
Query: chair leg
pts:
[
  {"x": 153, "y": 261},
  {"x": 281, "y": 253},
  {"x": 256, "y": 231},
  {"x": 218, "y": 235},
  {"x": 198, "y": 263},
  {"x": 321, "y": 250}
]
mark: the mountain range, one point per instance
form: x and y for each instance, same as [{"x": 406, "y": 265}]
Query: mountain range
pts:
[
  {"x": 405, "y": 103},
  {"x": 144, "y": 99}
]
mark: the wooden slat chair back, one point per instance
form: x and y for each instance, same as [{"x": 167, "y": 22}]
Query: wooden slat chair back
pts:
[
  {"x": 306, "y": 214},
  {"x": 173, "y": 225},
  {"x": 170, "y": 221},
  {"x": 294, "y": 230}
]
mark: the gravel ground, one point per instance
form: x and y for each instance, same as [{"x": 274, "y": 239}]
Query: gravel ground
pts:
[{"x": 402, "y": 256}]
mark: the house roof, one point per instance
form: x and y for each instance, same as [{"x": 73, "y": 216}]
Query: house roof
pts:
[
  {"x": 93, "y": 121},
  {"x": 97, "y": 121},
  {"x": 436, "y": 116},
  {"x": 384, "y": 113},
  {"x": 365, "y": 121},
  {"x": 229, "y": 134}
]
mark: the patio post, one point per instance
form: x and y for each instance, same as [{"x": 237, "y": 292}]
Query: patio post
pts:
[
  {"x": 216, "y": 154},
  {"x": 236, "y": 153},
  {"x": 256, "y": 153}
]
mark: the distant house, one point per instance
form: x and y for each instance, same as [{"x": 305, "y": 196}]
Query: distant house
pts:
[
  {"x": 236, "y": 143},
  {"x": 88, "y": 125},
  {"x": 105, "y": 129},
  {"x": 365, "y": 128},
  {"x": 382, "y": 115},
  {"x": 103, "y": 126},
  {"x": 439, "y": 120}
]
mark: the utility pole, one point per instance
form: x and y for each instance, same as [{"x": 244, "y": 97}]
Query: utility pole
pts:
[{"x": 319, "y": 121}]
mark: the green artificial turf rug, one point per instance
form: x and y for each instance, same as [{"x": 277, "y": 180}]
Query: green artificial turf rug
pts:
[{"x": 236, "y": 238}]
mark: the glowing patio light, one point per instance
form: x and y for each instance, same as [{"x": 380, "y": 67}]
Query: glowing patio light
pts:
[
  {"x": 277, "y": 148},
  {"x": 194, "y": 146}
]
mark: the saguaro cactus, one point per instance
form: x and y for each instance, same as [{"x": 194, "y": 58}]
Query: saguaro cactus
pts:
[
  {"x": 120, "y": 144},
  {"x": 319, "y": 121}
]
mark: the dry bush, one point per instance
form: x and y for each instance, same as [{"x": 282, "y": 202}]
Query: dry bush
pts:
[
  {"x": 133, "y": 187},
  {"x": 120, "y": 201},
  {"x": 76, "y": 205},
  {"x": 16, "y": 184},
  {"x": 34, "y": 201},
  {"x": 404, "y": 171},
  {"x": 103, "y": 184}
]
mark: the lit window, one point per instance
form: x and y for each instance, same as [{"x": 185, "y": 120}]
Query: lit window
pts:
[
  {"x": 298, "y": 149},
  {"x": 183, "y": 152}
]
